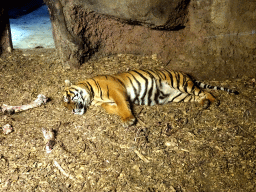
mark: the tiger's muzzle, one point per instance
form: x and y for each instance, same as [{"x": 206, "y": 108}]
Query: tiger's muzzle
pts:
[{"x": 79, "y": 109}]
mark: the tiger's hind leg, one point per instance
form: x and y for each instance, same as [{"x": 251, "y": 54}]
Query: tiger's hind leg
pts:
[
  {"x": 197, "y": 95},
  {"x": 120, "y": 107},
  {"x": 203, "y": 100},
  {"x": 201, "y": 96},
  {"x": 184, "y": 93}
]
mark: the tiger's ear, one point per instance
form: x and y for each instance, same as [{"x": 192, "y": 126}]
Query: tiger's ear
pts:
[
  {"x": 67, "y": 83},
  {"x": 65, "y": 99}
]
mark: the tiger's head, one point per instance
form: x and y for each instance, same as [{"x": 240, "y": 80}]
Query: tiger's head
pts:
[{"x": 76, "y": 98}]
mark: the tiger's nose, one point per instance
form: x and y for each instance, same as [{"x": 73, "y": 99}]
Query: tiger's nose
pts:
[{"x": 80, "y": 106}]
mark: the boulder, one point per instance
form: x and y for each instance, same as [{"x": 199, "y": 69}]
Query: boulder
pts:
[
  {"x": 218, "y": 41},
  {"x": 168, "y": 14}
]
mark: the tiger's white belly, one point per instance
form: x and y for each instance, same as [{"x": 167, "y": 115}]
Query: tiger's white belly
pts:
[{"x": 154, "y": 92}]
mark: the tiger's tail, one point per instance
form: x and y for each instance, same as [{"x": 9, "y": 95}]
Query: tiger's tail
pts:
[{"x": 206, "y": 86}]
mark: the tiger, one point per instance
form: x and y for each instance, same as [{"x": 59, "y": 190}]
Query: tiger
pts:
[{"x": 115, "y": 93}]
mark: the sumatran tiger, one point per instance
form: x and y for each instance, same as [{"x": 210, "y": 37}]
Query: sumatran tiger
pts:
[{"x": 144, "y": 87}]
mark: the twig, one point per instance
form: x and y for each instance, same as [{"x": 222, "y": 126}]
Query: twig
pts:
[
  {"x": 62, "y": 170},
  {"x": 141, "y": 156},
  {"x": 135, "y": 151},
  {"x": 137, "y": 133},
  {"x": 141, "y": 122},
  {"x": 144, "y": 127}
]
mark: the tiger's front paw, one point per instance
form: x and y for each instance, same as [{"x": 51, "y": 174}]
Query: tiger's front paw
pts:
[{"x": 127, "y": 122}]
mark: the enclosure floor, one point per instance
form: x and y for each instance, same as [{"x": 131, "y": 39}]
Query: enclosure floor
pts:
[
  {"x": 176, "y": 147},
  {"x": 32, "y": 30}
]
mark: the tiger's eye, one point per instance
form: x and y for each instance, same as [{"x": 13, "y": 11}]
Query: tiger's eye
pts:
[{"x": 80, "y": 105}]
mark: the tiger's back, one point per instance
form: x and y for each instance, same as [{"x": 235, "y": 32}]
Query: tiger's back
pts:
[{"x": 150, "y": 87}]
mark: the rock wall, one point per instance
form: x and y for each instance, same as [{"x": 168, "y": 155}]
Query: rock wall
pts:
[
  {"x": 224, "y": 38},
  {"x": 5, "y": 32},
  {"x": 218, "y": 41}
]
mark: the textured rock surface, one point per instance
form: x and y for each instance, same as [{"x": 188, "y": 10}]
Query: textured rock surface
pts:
[
  {"x": 154, "y": 13},
  {"x": 218, "y": 41},
  {"x": 5, "y": 34}
]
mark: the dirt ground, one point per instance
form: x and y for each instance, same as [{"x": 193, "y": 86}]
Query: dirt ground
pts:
[{"x": 176, "y": 147}]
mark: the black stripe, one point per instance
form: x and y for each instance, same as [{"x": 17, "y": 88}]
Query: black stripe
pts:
[
  {"x": 151, "y": 73},
  {"x": 158, "y": 74},
  {"x": 170, "y": 75},
  {"x": 150, "y": 92},
  {"x": 136, "y": 82},
  {"x": 184, "y": 79},
  {"x": 72, "y": 93},
  {"x": 162, "y": 74},
  {"x": 119, "y": 81},
  {"x": 177, "y": 75},
  {"x": 137, "y": 91},
  {"x": 183, "y": 98},
  {"x": 68, "y": 95},
  {"x": 74, "y": 89},
  {"x": 107, "y": 92},
  {"x": 91, "y": 89},
  {"x": 156, "y": 99},
  {"x": 186, "y": 85},
  {"x": 193, "y": 89},
  {"x": 200, "y": 91},
  {"x": 198, "y": 84},
  {"x": 146, "y": 85},
  {"x": 160, "y": 78},
  {"x": 190, "y": 97},
  {"x": 99, "y": 88},
  {"x": 134, "y": 89},
  {"x": 98, "y": 85},
  {"x": 163, "y": 95},
  {"x": 175, "y": 97}
]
